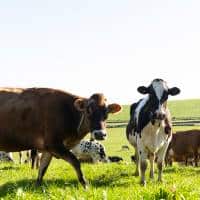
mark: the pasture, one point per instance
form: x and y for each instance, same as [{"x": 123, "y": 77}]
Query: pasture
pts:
[{"x": 107, "y": 180}]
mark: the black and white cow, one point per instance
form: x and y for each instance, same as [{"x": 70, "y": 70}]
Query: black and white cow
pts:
[
  {"x": 6, "y": 156},
  {"x": 149, "y": 129},
  {"x": 90, "y": 151}
]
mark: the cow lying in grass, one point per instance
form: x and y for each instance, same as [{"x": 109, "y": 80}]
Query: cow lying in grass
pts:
[{"x": 90, "y": 151}]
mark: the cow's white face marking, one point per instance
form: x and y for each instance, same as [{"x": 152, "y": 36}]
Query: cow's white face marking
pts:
[{"x": 159, "y": 88}]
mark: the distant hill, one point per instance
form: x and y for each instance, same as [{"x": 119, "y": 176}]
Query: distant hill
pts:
[{"x": 180, "y": 109}]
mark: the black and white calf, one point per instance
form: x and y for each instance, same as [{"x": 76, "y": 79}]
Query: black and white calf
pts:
[
  {"x": 88, "y": 150},
  {"x": 6, "y": 156},
  {"x": 149, "y": 129}
]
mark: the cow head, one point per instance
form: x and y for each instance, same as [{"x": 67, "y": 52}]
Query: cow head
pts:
[
  {"x": 158, "y": 92},
  {"x": 96, "y": 111}
]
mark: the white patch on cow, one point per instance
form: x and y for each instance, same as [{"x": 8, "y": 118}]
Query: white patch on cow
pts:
[
  {"x": 139, "y": 107},
  {"x": 159, "y": 87},
  {"x": 171, "y": 152},
  {"x": 154, "y": 137}
]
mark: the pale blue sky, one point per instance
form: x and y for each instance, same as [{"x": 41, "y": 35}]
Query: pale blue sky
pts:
[{"x": 104, "y": 46}]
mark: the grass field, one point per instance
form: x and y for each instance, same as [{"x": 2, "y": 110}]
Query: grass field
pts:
[
  {"x": 179, "y": 109},
  {"x": 106, "y": 180}
]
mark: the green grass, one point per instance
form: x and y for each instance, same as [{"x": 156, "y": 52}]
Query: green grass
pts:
[
  {"x": 112, "y": 181},
  {"x": 178, "y": 109}
]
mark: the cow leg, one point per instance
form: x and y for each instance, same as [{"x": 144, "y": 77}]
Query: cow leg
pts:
[
  {"x": 38, "y": 160},
  {"x": 151, "y": 159},
  {"x": 186, "y": 161},
  {"x": 33, "y": 157},
  {"x": 68, "y": 156},
  {"x": 160, "y": 160},
  {"x": 137, "y": 163},
  {"x": 27, "y": 157},
  {"x": 143, "y": 165},
  {"x": 196, "y": 159},
  {"x": 45, "y": 160},
  {"x": 20, "y": 157}
]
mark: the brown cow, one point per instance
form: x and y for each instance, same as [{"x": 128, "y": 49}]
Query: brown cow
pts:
[
  {"x": 51, "y": 121},
  {"x": 184, "y": 146}
]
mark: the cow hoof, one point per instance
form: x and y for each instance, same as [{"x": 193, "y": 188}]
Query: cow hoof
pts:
[
  {"x": 160, "y": 180},
  {"x": 151, "y": 176},
  {"x": 84, "y": 184},
  {"x": 136, "y": 174},
  {"x": 143, "y": 183},
  {"x": 38, "y": 183}
]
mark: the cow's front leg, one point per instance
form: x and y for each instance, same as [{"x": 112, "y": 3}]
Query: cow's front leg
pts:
[
  {"x": 160, "y": 160},
  {"x": 151, "y": 159},
  {"x": 44, "y": 163},
  {"x": 63, "y": 153},
  {"x": 143, "y": 165}
]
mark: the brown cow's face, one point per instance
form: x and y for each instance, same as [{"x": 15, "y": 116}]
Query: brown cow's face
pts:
[
  {"x": 97, "y": 111},
  {"x": 158, "y": 94}
]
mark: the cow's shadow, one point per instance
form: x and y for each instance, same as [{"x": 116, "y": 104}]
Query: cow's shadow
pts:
[
  {"x": 28, "y": 185},
  {"x": 9, "y": 168}
]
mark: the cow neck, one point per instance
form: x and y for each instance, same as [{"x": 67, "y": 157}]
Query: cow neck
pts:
[{"x": 83, "y": 126}]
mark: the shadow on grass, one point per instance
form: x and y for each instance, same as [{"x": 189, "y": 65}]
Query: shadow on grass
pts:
[
  {"x": 28, "y": 185},
  {"x": 9, "y": 167}
]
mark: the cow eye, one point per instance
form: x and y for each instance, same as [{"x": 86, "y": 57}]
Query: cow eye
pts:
[{"x": 89, "y": 111}]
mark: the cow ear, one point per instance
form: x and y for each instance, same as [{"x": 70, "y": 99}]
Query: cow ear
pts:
[
  {"x": 143, "y": 90},
  {"x": 79, "y": 104},
  {"x": 174, "y": 91},
  {"x": 114, "y": 108}
]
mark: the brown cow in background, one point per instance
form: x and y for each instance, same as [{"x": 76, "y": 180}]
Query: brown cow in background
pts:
[
  {"x": 51, "y": 121},
  {"x": 184, "y": 145}
]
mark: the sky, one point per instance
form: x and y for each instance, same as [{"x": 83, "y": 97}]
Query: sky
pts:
[{"x": 107, "y": 46}]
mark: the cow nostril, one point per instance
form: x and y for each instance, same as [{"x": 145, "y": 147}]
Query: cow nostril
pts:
[{"x": 163, "y": 116}]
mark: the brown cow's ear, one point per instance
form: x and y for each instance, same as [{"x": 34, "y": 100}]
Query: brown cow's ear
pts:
[
  {"x": 79, "y": 104},
  {"x": 114, "y": 108}
]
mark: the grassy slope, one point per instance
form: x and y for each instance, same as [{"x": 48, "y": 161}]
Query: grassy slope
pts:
[
  {"x": 107, "y": 181},
  {"x": 179, "y": 109}
]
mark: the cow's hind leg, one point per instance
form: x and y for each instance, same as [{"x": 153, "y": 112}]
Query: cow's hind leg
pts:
[
  {"x": 68, "y": 156},
  {"x": 137, "y": 163},
  {"x": 33, "y": 157},
  {"x": 45, "y": 160}
]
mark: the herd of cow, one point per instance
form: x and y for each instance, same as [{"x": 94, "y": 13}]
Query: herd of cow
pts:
[{"x": 54, "y": 123}]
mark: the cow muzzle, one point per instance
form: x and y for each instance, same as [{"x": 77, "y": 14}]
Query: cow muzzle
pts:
[{"x": 98, "y": 134}]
